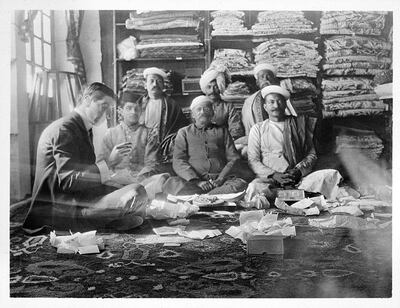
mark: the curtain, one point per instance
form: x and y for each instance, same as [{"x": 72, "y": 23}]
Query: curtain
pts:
[{"x": 74, "y": 54}]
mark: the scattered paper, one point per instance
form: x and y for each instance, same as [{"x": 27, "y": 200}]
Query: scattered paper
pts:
[
  {"x": 172, "y": 244},
  {"x": 162, "y": 231},
  {"x": 251, "y": 216},
  {"x": 267, "y": 221},
  {"x": 164, "y": 210},
  {"x": 302, "y": 204},
  {"x": 84, "y": 243},
  {"x": 200, "y": 234},
  {"x": 288, "y": 209},
  {"x": 348, "y": 209},
  {"x": 324, "y": 181},
  {"x": 179, "y": 221},
  {"x": 223, "y": 213},
  {"x": 312, "y": 211}
]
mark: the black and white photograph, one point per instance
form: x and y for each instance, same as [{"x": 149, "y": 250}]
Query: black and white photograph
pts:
[{"x": 193, "y": 151}]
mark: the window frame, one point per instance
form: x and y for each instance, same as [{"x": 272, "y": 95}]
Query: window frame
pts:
[{"x": 31, "y": 64}]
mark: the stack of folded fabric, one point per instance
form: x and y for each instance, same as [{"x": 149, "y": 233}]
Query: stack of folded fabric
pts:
[
  {"x": 237, "y": 89},
  {"x": 157, "y": 40},
  {"x": 367, "y": 144},
  {"x": 356, "y": 55},
  {"x": 228, "y": 23},
  {"x": 134, "y": 81},
  {"x": 350, "y": 96},
  {"x": 291, "y": 57},
  {"x": 282, "y": 22},
  {"x": 353, "y": 22},
  {"x": 159, "y": 20},
  {"x": 236, "y": 60},
  {"x": 303, "y": 94}
]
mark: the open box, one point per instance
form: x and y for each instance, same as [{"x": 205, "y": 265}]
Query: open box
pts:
[{"x": 268, "y": 244}]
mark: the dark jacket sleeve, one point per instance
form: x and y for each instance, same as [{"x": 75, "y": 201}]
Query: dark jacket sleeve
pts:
[
  {"x": 74, "y": 172},
  {"x": 175, "y": 119},
  {"x": 231, "y": 154},
  {"x": 180, "y": 161}
]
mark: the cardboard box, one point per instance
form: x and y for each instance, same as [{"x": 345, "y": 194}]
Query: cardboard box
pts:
[{"x": 265, "y": 244}]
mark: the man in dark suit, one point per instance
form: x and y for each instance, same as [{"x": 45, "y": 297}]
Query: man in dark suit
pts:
[{"x": 69, "y": 191}]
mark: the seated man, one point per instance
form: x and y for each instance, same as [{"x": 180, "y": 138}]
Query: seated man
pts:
[
  {"x": 204, "y": 156},
  {"x": 212, "y": 83},
  {"x": 161, "y": 112},
  {"x": 69, "y": 191},
  {"x": 131, "y": 150},
  {"x": 281, "y": 149},
  {"x": 253, "y": 111}
]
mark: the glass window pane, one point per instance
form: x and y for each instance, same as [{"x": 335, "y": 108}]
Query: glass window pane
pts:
[
  {"x": 37, "y": 25},
  {"x": 47, "y": 12},
  {"x": 28, "y": 51},
  {"x": 47, "y": 55},
  {"x": 46, "y": 29},
  {"x": 38, "y": 51},
  {"x": 29, "y": 78}
]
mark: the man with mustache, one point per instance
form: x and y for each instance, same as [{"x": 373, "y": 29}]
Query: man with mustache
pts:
[
  {"x": 130, "y": 149},
  {"x": 281, "y": 149},
  {"x": 213, "y": 83},
  {"x": 160, "y": 112},
  {"x": 204, "y": 157},
  {"x": 70, "y": 191}
]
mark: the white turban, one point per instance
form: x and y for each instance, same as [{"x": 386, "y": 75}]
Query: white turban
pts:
[
  {"x": 262, "y": 67},
  {"x": 199, "y": 100},
  {"x": 218, "y": 72},
  {"x": 275, "y": 89},
  {"x": 282, "y": 91},
  {"x": 154, "y": 71}
]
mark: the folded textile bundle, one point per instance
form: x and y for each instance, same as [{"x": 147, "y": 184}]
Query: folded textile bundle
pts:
[
  {"x": 353, "y": 22},
  {"x": 237, "y": 88},
  {"x": 228, "y": 23},
  {"x": 368, "y": 144},
  {"x": 355, "y": 55},
  {"x": 236, "y": 60},
  {"x": 171, "y": 50},
  {"x": 134, "y": 81},
  {"x": 302, "y": 92},
  {"x": 350, "y": 96},
  {"x": 291, "y": 57},
  {"x": 158, "y": 20},
  {"x": 282, "y": 22}
]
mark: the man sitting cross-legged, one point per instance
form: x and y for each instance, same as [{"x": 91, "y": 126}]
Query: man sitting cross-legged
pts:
[
  {"x": 130, "y": 149},
  {"x": 204, "y": 156}
]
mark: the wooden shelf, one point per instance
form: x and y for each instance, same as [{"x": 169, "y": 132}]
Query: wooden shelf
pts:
[{"x": 163, "y": 59}]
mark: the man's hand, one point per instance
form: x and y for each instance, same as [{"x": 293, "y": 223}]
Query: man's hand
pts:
[
  {"x": 205, "y": 185},
  {"x": 217, "y": 182},
  {"x": 295, "y": 174},
  {"x": 120, "y": 151},
  {"x": 282, "y": 179}
]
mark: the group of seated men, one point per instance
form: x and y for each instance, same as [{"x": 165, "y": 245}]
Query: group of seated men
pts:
[{"x": 75, "y": 190}]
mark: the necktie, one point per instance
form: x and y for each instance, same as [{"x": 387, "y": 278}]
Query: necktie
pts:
[{"x": 90, "y": 133}]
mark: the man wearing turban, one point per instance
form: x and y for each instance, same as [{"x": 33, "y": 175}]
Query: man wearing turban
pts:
[
  {"x": 205, "y": 156},
  {"x": 213, "y": 83}
]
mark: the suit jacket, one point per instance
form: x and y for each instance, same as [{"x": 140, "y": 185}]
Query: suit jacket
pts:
[{"x": 66, "y": 176}]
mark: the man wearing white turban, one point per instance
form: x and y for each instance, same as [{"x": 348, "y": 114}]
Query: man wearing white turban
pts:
[
  {"x": 213, "y": 83},
  {"x": 160, "y": 112},
  {"x": 205, "y": 156},
  {"x": 252, "y": 110},
  {"x": 281, "y": 149}
]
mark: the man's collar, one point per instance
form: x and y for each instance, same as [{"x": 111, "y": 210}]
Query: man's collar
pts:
[{"x": 85, "y": 120}]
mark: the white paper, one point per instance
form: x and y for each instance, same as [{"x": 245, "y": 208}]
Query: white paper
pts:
[
  {"x": 251, "y": 216},
  {"x": 163, "y": 231},
  {"x": 324, "y": 181},
  {"x": 165, "y": 210},
  {"x": 312, "y": 211},
  {"x": 267, "y": 221},
  {"x": 200, "y": 234},
  {"x": 83, "y": 243},
  {"x": 302, "y": 204},
  {"x": 223, "y": 213},
  {"x": 172, "y": 244},
  {"x": 352, "y": 210},
  {"x": 156, "y": 239}
]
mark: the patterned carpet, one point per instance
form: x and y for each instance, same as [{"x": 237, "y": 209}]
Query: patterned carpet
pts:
[{"x": 317, "y": 263}]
